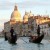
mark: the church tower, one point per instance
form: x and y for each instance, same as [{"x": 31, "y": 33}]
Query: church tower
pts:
[
  {"x": 25, "y": 17},
  {"x": 15, "y": 16}
]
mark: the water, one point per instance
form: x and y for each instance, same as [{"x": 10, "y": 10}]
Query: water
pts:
[{"x": 24, "y": 44}]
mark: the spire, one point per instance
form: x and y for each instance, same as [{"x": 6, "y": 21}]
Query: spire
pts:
[
  {"x": 15, "y": 16},
  {"x": 25, "y": 12},
  {"x": 30, "y": 14},
  {"x": 30, "y": 11},
  {"x": 15, "y": 7}
]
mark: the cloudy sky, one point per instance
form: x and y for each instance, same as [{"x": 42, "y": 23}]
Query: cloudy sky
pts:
[{"x": 41, "y": 7}]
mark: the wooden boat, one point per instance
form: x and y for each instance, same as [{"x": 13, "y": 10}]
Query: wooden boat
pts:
[
  {"x": 13, "y": 39},
  {"x": 5, "y": 36},
  {"x": 36, "y": 39}
]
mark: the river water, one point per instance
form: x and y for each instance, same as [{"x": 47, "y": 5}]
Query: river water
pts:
[{"x": 24, "y": 44}]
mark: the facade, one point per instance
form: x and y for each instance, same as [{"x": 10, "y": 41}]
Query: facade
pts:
[
  {"x": 32, "y": 25},
  {"x": 45, "y": 28},
  {"x": 25, "y": 24},
  {"x": 28, "y": 25},
  {"x": 25, "y": 29},
  {"x": 15, "y": 16},
  {"x": 7, "y": 26},
  {"x": 15, "y": 22}
]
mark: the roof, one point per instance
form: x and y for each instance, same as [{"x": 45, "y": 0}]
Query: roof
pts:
[{"x": 45, "y": 23}]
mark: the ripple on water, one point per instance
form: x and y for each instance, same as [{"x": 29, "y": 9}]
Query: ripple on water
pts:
[{"x": 24, "y": 44}]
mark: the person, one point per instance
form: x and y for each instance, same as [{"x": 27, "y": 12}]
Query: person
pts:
[
  {"x": 38, "y": 30},
  {"x": 11, "y": 31}
]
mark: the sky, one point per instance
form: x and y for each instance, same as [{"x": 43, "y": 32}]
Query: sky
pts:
[{"x": 37, "y": 7}]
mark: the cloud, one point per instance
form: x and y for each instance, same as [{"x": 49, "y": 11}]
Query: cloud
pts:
[
  {"x": 3, "y": 20},
  {"x": 1, "y": 25},
  {"x": 8, "y": 4},
  {"x": 34, "y": 3}
]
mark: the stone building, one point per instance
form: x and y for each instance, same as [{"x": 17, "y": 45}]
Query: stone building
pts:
[
  {"x": 45, "y": 28},
  {"x": 15, "y": 21},
  {"x": 7, "y": 26},
  {"x": 26, "y": 26},
  {"x": 32, "y": 25}
]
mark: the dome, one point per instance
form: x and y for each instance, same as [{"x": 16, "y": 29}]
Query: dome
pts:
[
  {"x": 30, "y": 14},
  {"x": 15, "y": 16},
  {"x": 25, "y": 18}
]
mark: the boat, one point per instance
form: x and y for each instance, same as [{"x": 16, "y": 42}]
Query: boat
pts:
[
  {"x": 36, "y": 39},
  {"x": 5, "y": 36},
  {"x": 13, "y": 39}
]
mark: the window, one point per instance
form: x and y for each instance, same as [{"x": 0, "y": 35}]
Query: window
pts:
[{"x": 32, "y": 28}]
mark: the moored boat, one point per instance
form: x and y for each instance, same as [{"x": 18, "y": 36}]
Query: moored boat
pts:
[
  {"x": 36, "y": 39},
  {"x": 13, "y": 39},
  {"x": 5, "y": 36}
]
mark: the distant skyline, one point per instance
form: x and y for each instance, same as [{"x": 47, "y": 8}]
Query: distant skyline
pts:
[{"x": 41, "y": 7}]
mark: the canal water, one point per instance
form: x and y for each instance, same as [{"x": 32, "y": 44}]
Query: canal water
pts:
[{"x": 24, "y": 44}]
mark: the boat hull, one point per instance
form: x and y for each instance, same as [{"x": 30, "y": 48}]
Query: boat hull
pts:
[
  {"x": 6, "y": 38},
  {"x": 13, "y": 39},
  {"x": 37, "y": 39}
]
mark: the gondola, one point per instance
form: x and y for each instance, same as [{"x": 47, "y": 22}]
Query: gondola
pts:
[
  {"x": 36, "y": 39},
  {"x": 5, "y": 36},
  {"x": 13, "y": 39}
]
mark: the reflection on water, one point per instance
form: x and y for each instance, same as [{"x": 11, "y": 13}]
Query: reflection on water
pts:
[{"x": 24, "y": 44}]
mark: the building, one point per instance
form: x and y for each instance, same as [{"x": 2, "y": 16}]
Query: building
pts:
[
  {"x": 26, "y": 26},
  {"x": 15, "y": 21},
  {"x": 32, "y": 25},
  {"x": 45, "y": 28}
]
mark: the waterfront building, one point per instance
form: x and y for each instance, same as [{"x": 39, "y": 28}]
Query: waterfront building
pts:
[
  {"x": 45, "y": 28},
  {"x": 26, "y": 26},
  {"x": 15, "y": 21},
  {"x": 32, "y": 25},
  {"x": 15, "y": 16}
]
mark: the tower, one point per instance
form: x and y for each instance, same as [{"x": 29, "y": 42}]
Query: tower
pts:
[{"x": 15, "y": 16}]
